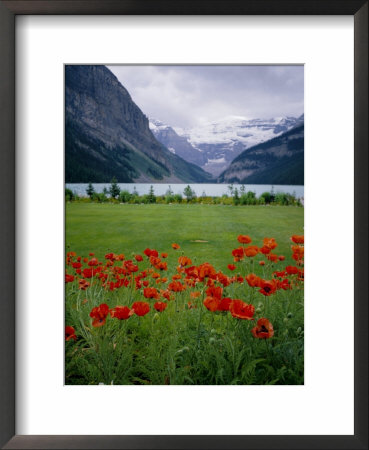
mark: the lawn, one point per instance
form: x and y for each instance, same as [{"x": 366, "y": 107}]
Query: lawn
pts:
[{"x": 203, "y": 231}]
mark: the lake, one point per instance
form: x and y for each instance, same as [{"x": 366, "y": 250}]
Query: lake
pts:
[{"x": 211, "y": 190}]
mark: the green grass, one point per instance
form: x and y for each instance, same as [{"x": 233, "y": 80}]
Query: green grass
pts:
[
  {"x": 182, "y": 345},
  {"x": 124, "y": 228}
]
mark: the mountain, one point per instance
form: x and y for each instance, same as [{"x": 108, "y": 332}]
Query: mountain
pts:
[
  {"x": 277, "y": 161},
  {"x": 220, "y": 142},
  {"x": 107, "y": 135},
  {"x": 178, "y": 145}
]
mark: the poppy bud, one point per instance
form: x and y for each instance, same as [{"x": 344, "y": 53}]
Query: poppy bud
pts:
[
  {"x": 155, "y": 317},
  {"x": 285, "y": 320},
  {"x": 289, "y": 315},
  {"x": 212, "y": 340},
  {"x": 213, "y": 331},
  {"x": 298, "y": 331}
]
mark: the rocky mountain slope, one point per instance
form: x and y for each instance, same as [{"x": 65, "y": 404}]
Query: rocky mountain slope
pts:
[
  {"x": 277, "y": 161},
  {"x": 213, "y": 146},
  {"x": 107, "y": 135}
]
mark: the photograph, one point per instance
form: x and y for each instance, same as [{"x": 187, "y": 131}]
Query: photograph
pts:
[{"x": 184, "y": 224}]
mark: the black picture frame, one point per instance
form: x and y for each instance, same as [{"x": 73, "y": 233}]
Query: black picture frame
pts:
[{"x": 8, "y": 12}]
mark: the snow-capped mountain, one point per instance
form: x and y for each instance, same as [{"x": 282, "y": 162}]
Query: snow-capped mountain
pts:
[
  {"x": 216, "y": 144},
  {"x": 176, "y": 144}
]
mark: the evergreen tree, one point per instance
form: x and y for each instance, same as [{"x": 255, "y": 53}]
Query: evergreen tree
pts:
[
  {"x": 151, "y": 197},
  {"x": 189, "y": 193},
  {"x": 114, "y": 188},
  {"x": 90, "y": 191}
]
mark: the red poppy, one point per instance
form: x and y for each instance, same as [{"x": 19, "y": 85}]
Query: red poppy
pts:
[
  {"x": 241, "y": 310},
  {"x": 263, "y": 329},
  {"x": 214, "y": 291},
  {"x": 262, "y": 263},
  {"x": 151, "y": 292},
  {"x": 121, "y": 312},
  {"x": 231, "y": 267},
  {"x": 224, "y": 304},
  {"x": 265, "y": 250},
  {"x": 176, "y": 286},
  {"x": 272, "y": 257},
  {"x": 253, "y": 280},
  {"x": 175, "y": 246},
  {"x": 93, "y": 262},
  {"x": 244, "y": 239},
  {"x": 77, "y": 265},
  {"x": 145, "y": 283},
  {"x": 195, "y": 294},
  {"x": 281, "y": 258},
  {"x": 297, "y": 239},
  {"x": 164, "y": 255},
  {"x": 141, "y": 308},
  {"x": 291, "y": 270},
  {"x": 238, "y": 252},
  {"x": 138, "y": 258},
  {"x": 70, "y": 333},
  {"x": 267, "y": 287},
  {"x": 270, "y": 243},
  {"x": 251, "y": 251},
  {"x": 99, "y": 314},
  {"x": 160, "y": 306},
  {"x": 212, "y": 303},
  {"x": 184, "y": 261},
  {"x": 69, "y": 278}
]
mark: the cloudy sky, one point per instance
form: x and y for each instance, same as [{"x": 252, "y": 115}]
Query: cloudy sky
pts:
[{"x": 187, "y": 96}]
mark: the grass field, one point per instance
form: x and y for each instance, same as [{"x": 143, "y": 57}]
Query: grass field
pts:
[
  {"x": 202, "y": 231},
  {"x": 185, "y": 317}
]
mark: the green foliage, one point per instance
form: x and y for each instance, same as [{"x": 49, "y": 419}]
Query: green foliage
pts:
[
  {"x": 189, "y": 193},
  {"x": 114, "y": 188},
  {"x": 90, "y": 191},
  {"x": 69, "y": 195},
  {"x": 125, "y": 196},
  {"x": 151, "y": 197}
]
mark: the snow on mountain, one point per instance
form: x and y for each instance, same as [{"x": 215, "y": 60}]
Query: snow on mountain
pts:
[{"x": 221, "y": 141}]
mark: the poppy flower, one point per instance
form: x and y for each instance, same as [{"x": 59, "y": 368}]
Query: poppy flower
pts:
[
  {"x": 121, "y": 312},
  {"x": 175, "y": 246},
  {"x": 69, "y": 278},
  {"x": 93, "y": 262},
  {"x": 77, "y": 265},
  {"x": 184, "y": 261},
  {"x": 281, "y": 257},
  {"x": 206, "y": 270},
  {"x": 176, "y": 286},
  {"x": 262, "y": 263},
  {"x": 237, "y": 253},
  {"x": 141, "y": 308},
  {"x": 195, "y": 294},
  {"x": 244, "y": 239},
  {"x": 263, "y": 329},
  {"x": 224, "y": 304},
  {"x": 253, "y": 280},
  {"x": 164, "y": 255},
  {"x": 70, "y": 333},
  {"x": 212, "y": 303},
  {"x": 160, "y": 306},
  {"x": 138, "y": 258},
  {"x": 270, "y": 243},
  {"x": 265, "y": 250},
  {"x": 267, "y": 287},
  {"x": 297, "y": 239},
  {"x": 291, "y": 270},
  {"x": 151, "y": 292},
  {"x": 251, "y": 251},
  {"x": 272, "y": 257},
  {"x": 214, "y": 291},
  {"x": 99, "y": 314},
  {"x": 231, "y": 267},
  {"x": 241, "y": 310},
  {"x": 145, "y": 283}
]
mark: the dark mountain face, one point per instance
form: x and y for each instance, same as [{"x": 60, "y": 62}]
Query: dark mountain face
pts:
[
  {"x": 107, "y": 134},
  {"x": 277, "y": 161}
]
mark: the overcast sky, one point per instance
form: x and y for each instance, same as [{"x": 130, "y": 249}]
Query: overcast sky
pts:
[{"x": 186, "y": 96}]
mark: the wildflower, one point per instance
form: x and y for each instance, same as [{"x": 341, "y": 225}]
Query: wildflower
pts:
[
  {"x": 251, "y": 251},
  {"x": 121, "y": 312},
  {"x": 244, "y": 239},
  {"x": 176, "y": 286},
  {"x": 262, "y": 263},
  {"x": 291, "y": 270},
  {"x": 195, "y": 294},
  {"x": 151, "y": 292},
  {"x": 69, "y": 278},
  {"x": 164, "y": 255},
  {"x": 231, "y": 267},
  {"x": 224, "y": 304},
  {"x": 212, "y": 303},
  {"x": 241, "y": 310},
  {"x": 160, "y": 306},
  {"x": 297, "y": 239},
  {"x": 238, "y": 252},
  {"x": 184, "y": 261},
  {"x": 214, "y": 291},
  {"x": 253, "y": 280},
  {"x": 138, "y": 258},
  {"x": 141, "y": 308},
  {"x": 70, "y": 333},
  {"x": 99, "y": 314},
  {"x": 175, "y": 246},
  {"x": 265, "y": 250},
  {"x": 267, "y": 287},
  {"x": 263, "y": 329},
  {"x": 270, "y": 243}
]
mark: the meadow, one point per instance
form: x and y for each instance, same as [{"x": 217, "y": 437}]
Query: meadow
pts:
[{"x": 184, "y": 294}]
